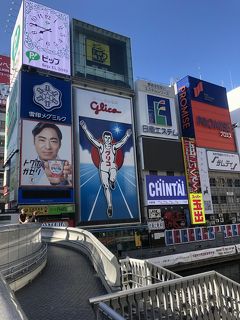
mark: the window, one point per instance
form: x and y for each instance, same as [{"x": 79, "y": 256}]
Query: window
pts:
[
  {"x": 170, "y": 173},
  {"x": 229, "y": 182},
  {"x": 152, "y": 172},
  {"x": 212, "y": 182},
  {"x": 237, "y": 183},
  {"x": 221, "y": 182},
  {"x": 215, "y": 199},
  {"x": 223, "y": 199}
]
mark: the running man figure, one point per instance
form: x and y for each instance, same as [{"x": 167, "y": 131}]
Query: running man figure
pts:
[{"x": 107, "y": 168}]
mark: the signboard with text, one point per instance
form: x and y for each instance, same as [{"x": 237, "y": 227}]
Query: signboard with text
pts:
[
  {"x": 46, "y": 38},
  {"x": 196, "y": 208},
  {"x": 222, "y": 161}
]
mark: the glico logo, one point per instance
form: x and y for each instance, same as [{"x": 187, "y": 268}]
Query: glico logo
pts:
[
  {"x": 159, "y": 111},
  {"x": 98, "y": 107},
  {"x": 198, "y": 89}
]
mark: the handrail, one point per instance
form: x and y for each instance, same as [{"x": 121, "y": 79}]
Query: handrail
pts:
[
  {"x": 204, "y": 296},
  {"x": 103, "y": 260}
]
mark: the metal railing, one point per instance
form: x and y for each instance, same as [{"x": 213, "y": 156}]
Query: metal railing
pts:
[{"x": 200, "y": 297}]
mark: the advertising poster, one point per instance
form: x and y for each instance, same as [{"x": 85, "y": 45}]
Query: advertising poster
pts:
[
  {"x": 12, "y": 117},
  {"x": 234, "y": 230},
  {"x": 108, "y": 185},
  {"x": 211, "y": 233},
  {"x": 191, "y": 164},
  {"x": 191, "y": 234},
  {"x": 47, "y": 98},
  {"x": 46, "y": 38},
  {"x": 16, "y": 46},
  {"x": 196, "y": 208},
  {"x": 166, "y": 190},
  {"x": 46, "y": 155},
  {"x": 5, "y": 69},
  {"x": 184, "y": 236},
  {"x": 156, "y": 110},
  {"x": 176, "y": 236},
  {"x": 222, "y": 161},
  {"x": 198, "y": 234},
  {"x": 4, "y": 92},
  {"x": 213, "y": 128},
  {"x": 204, "y": 180},
  {"x": 168, "y": 237}
]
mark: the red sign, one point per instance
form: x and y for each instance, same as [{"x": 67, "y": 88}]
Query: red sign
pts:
[
  {"x": 191, "y": 165},
  {"x": 4, "y": 69},
  {"x": 213, "y": 128}
]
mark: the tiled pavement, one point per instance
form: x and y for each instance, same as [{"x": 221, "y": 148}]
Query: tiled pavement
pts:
[{"x": 62, "y": 290}]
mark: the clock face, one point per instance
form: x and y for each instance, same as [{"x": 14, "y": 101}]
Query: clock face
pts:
[{"x": 46, "y": 30}]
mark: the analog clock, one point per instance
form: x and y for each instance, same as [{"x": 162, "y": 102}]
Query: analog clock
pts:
[{"x": 46, "y": 30}]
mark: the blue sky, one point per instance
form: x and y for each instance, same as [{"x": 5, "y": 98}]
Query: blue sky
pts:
[{"x": 170, "y": 38}]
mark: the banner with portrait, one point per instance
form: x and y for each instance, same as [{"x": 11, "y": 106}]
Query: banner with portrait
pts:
[{"x": 46, "y": 155}]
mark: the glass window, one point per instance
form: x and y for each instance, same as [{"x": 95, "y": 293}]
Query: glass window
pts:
[
  {"x": 212, "y": 182},
  {"x": 223, "y": 199},
  {"x": 237, "y": 182},
  {"x": 221, "y": 182},
  {"x": 229, "y": 182},
  {"x": 215, "y": 199}
]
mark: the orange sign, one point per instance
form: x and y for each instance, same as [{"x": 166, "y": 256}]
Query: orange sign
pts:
[
  {"x": 213, "y": 127},
  {"x": 196, "y": 208}
]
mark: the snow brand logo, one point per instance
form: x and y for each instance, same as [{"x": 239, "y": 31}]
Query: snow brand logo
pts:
[
  {"x": 159, "y": 111},
  {"x": 47, "y": 97}
]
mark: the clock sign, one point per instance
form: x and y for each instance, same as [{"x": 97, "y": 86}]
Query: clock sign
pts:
[{"x": 46, "y": 38}]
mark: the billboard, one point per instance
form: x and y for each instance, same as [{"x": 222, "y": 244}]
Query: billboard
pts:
[
  {"x": 213, "y": 128},
  {"x": 191, "y": 164},
  {"x": 4, "y": 92},
  {"x": 197, "y": 213},
  {"x": 101, "y": 55},
  {"x": 47, "y": 98},
  {"x": 12, "y": 117},
  {"x": 108, "y": 184},
  {"x": 204, "y": 179},
  {"x": 16, "y": 46},
  {"x": 46, "y": 155},
  {"x": 204, "y": 114},
  {"x": 156, "y": 110},
  {"x": 222, "y": 161},
  {"x": 4, "y": 69},
  {"x": 46, "y": 38},
  {"x": 163, "y": 190}
]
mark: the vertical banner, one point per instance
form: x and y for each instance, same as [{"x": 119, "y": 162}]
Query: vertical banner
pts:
[
  {"x": 108, "y": 185},
  {"x": 4, "y": 69},
  {"x": 16, "y": 46},
  {"x": 204, "y": 179},
  {"x": 196, "y": 208},
  {"x": 191, "y": 164}
]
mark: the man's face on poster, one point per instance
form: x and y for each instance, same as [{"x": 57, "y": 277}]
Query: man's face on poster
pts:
[
  {"x": 107, "y": 139},
  {"x": 47, "y": 144}
]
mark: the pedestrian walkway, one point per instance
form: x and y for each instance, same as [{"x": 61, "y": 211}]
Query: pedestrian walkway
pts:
[{"x": 62, "y": 291}]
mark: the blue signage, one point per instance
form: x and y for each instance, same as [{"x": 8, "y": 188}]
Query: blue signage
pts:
[
  {"x": 159, "y": 111},
  {"x": 207, "y": 92},
  {"x": 185, "y": 108},
  {"x": 45, "y": 99},
  {"x": 165, "y": 190}
]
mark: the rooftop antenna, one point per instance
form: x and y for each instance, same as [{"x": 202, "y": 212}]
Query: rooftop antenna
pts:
[
  {"x": 200, "y": 75},
  {"x": 231, "y": 81}
]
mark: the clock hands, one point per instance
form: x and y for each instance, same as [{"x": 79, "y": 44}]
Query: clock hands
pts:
[{"x": 41, "y": 31}]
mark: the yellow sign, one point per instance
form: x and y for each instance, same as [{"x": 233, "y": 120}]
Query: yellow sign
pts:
[
  {"x": 196, "y": 208},
  {"x": 137, "y": 238},
  {"x": 41, "y": 210},
  {"x": 98, "y": 52}
]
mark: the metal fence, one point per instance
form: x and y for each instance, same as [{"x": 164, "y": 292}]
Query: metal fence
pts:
[{"x": 158, "y": 293}]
